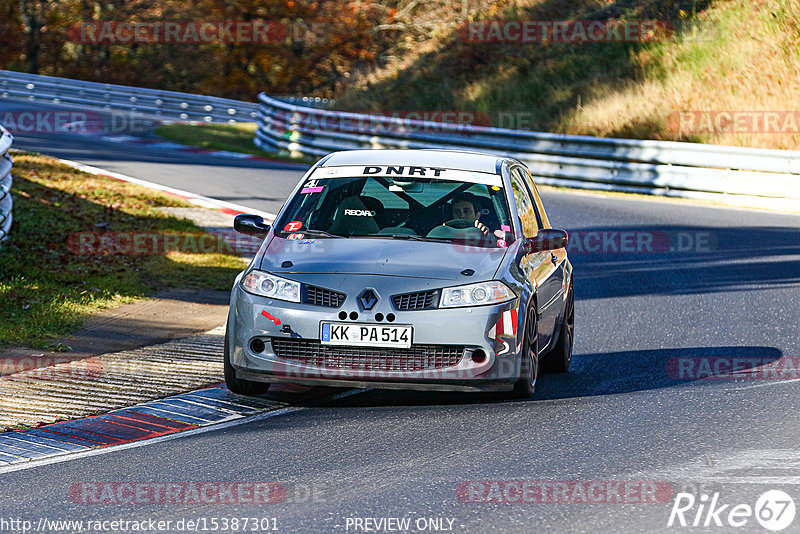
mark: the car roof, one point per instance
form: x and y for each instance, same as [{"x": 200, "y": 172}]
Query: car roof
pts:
[{"x": 445, "y": 159}]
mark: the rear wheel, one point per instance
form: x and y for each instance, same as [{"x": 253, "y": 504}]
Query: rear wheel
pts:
[
  {"x": 558, "y": 360},
  {"x": 238, "y": 385},
  {"x": 529, "y": 367}
]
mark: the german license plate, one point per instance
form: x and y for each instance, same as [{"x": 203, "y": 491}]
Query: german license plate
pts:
[{"x": 366, "y": 335}]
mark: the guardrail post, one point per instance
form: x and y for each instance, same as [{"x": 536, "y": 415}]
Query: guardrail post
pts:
[{"x": 6, "y": 202}]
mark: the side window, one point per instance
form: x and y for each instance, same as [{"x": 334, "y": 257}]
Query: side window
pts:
[
  {"x": 538, "y": 200},
  {"x": 525, "y": 206}
]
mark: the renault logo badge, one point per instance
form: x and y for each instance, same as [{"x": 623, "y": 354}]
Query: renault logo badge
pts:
[{"x": 368, "y": 299}]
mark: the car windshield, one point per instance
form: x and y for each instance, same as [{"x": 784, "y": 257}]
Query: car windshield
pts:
[{"x": 413, "y": 208}]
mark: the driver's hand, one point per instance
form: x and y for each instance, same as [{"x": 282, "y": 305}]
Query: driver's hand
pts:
[{"x": 482, "y": 227}]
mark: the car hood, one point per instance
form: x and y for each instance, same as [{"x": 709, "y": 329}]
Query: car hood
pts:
[{"x": 412, "y": 259}]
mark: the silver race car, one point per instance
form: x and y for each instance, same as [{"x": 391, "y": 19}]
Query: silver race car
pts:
[{"x": 405, "y": 269}]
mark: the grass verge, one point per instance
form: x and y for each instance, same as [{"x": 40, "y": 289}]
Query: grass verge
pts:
[
  {"x": 47, "y": 289},
  {"x": 719, "y": 56},
  {"x": 232, "y": 137}
]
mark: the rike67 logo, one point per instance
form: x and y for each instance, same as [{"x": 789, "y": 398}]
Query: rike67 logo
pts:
[{"x": 774, "y": 510}]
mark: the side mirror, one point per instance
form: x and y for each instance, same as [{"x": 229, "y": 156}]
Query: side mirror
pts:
[
  {"x": 250, "y": 225},
  {"x": 549, "y": 239}
]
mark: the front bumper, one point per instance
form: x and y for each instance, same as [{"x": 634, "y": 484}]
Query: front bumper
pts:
[{"x": 489, "y": 360}]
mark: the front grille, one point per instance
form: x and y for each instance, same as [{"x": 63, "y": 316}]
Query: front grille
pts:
[
  {"x": 320, "y": 296},
  {"x": 422, "y": 300},
  {"x": 416, "y": 358}
]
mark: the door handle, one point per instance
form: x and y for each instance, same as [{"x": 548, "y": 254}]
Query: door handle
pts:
[{"x": 553, "y": 258}]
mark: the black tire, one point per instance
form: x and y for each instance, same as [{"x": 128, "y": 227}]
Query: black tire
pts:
[
  {"x": 529, "y": 366},
  {"x": 559, "y": 358},
  {"x": 237, "y": 385}
]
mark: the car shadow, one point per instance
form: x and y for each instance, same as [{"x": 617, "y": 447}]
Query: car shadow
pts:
[{"x": 591, "y": 375}]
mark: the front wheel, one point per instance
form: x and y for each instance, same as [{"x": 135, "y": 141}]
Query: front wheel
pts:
[
  {"x": 237, "y": 385},
  {"x": 559, "y": 359},
  {"x": 529, "y": 367}
]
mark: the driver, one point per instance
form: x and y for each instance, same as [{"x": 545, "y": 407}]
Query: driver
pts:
[{"x": 466, "y": 206}]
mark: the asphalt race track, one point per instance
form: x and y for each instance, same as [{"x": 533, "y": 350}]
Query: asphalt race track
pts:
[
  {"x": 636, "y": 406},
  {"x": 193, "y": 172}
]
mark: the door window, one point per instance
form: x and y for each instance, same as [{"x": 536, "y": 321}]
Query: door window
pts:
[{"x": 525, "y": 204}]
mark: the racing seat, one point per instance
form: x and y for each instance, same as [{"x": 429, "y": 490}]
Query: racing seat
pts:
[
  {"x": 361, "y": 220},
  {"x": 373, "y": 204}
]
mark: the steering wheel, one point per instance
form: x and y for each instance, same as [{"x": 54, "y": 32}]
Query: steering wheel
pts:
[{"x": 460, "y": 224}]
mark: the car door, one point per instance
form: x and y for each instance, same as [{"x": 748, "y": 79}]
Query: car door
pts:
[
  {"x": 538, "y": 266},
  {"x": 558, "y": 258}
]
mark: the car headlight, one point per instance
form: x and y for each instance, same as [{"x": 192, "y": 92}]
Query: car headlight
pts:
[
  {"x": 268, "y": 285},
  {"x": 475, "y": 295}
]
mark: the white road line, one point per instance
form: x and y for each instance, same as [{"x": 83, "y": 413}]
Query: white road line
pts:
[
  {"x": 235, "y": 404},
  {"x": 749, "y": 466},
  {"x": 207, "y": 407},
  {"x": 770, "y": 383},
  {"x": 194, "y": 198},
  {"x": 747, "y": 480},
  {"x": 35, "y": 443},
  {"x": 172, "y": 414}
]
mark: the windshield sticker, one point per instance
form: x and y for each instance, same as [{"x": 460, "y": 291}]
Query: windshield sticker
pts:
[
  {"x": 317, "y": 189},
  {"x": 501, "y": 243},
  {"x": 404, "y": 170},
  {"x": 296, "y": 236},
  {"x": 408, "y": 172},
  {"x": 293, "y": 226},
  {"x": 359, "y": 213},
  {"x": 271, "y": 317},
  {"x": 505, "y": 227}
]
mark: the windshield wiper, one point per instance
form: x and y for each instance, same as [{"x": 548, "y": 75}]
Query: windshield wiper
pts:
[
  {"x": 420, "y": 238},
  {"x": 319, "y": 233},
  {"x": 400, "y": 236}
]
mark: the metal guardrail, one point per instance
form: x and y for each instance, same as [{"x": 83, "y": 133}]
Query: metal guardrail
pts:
[
  {"x": 674, "y": 168},
  {"x": 6, "y": 203},
  {"x": 302, "y": 126},
  {"x": 166, "y": 104}
]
